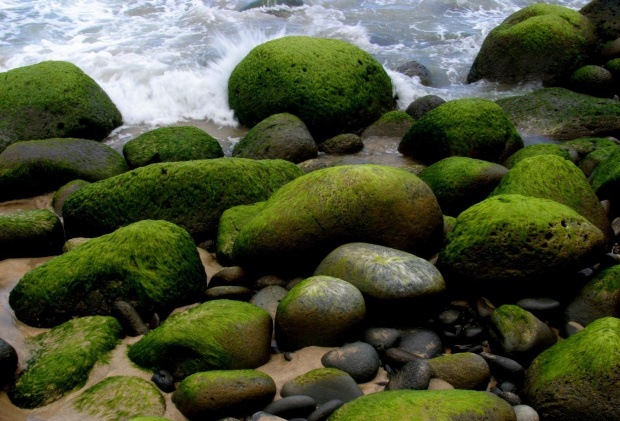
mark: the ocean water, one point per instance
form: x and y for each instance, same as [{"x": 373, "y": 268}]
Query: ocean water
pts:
[{"x": 167, "y": 62}]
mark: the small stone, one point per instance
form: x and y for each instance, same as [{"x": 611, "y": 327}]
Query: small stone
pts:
[
  {"x": 268, "y": 298},
  {"x": 381, "y": 338},
  {"x": 507, "y": 386},
  {"x": 359, "y": 359},
  {"x": 269, "y": 280},
  {"x": 525, "y": 413},
  {"x": 422, "y": 105},
  {"x": 324, "y": 411},
  {"x": 449, "y": 317},
  {"x": 438, "y": 384},
  {"x": 543, "y": 308},
  {"x": 347, "y": 143},
  {"x": 512, "y": 398},
  {"x": 503, "y": 368},
  {"x": 415, "y": 69},
  {"x": 399, "y": 357},
  {"x": 484, "y": 308},
  {"x": 164, "y": 381},
  {"x": 422, "y": 342},
  {"x": 128, "y": 317},
  {"x": 8, "y": 362},
  {"x": 571, "y": 328},
  {"x": 473, "y": 332},
  {"x": 414, "y": 375},
  {"x": 323, "y": 385},
  {"x": 230, "y": 276},
  {"x": 291, "y": 407},
  {"x": 229, "y": 293},
  {"x": 463, "y": 371}
]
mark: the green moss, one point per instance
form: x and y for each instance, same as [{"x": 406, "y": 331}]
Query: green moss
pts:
[
  {"x": 65, "y": 191},
  {"x": 536, "y": 150},
  {"x": 192, "y": 385},
  {"x": 119, "y": 398},
  {"x": 587, "y": 145},
  {"x": 153, "y": 265},
  {"x": 62, "y": 358},
  {"x": 396, "y": 116},
  {"x": 614, "y": 67},
  {"x": 333, "y": 86},
  {"x": 231, "y": 222},
  {"x": 318, "y": 374},
  {"x": 34, "y": 232},
  {"x": 606, "y": 177}
]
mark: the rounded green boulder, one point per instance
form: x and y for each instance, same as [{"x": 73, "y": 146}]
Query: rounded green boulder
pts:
[
  {"x": 331, "y": 85},
  {"x": 538, "y": 149},
  {"x": 30, "y": 233},
  {"x": 605, "y": 179}
]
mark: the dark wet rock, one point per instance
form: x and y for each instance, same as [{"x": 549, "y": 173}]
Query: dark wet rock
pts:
[
  {"x": 463, "y": 371},
  {"x": 291, "y": 407},
  {"x": 507, "y": 386},
  {"x": 269, "y": 298},
  {"x": 228, "y": 276},
  {"x": 605, "y": 17},
  {"x": 422, "y": 105},
  {"x": 228, "y": 293},
  {"x": 264, "y": 416},
  {"x": 449, "y": 317},
  {"x": 543, "y": 308},
  {"x": 346, "y": 143},
  {"x": 413, "y": 375},
  {"x": 34, "y": 232},
  {"x": 593, "y": 80},
  {"x": 397, "y": 357},
  {"x": 600, "y": 297},
  {"x": 323, "y": 385},
  {"x": 164, "y": 381},
  {"x": 64, "y": 192},
  {"x": 484, "y": 308},
  {"x": 503, "y": 368},
  {"x": 323, "y": 412},
  {"x": 415, "y": 69},
  {"x": 422, "y": 342},
  {"x": 512, "y": 398},
  {"x": 126, "y": 314},
  {"x": 269, "y": 281},
  {"x": 359, "y": 359},
  {"x": 8, "y": 363},
  {"x": 382, "y": 338},
  {"x": 391, "y": 124}
]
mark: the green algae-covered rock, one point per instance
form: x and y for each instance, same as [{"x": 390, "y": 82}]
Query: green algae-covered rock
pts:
[
  {"x": 460, "y": 182},
  {"x": 592, "y": 80},
  {"x": 321, "y": 311},
  {"x": 464, "y": 370},
  {"x": 578, "y": 377},
  {"x": 332, "y": 86},
  {"x": 153, "y": 265},
  {"x": 604, "y": 15},
  {"x": 62, "y": 358},
  {"x": 35, "y": 167},
  {"x": 436, "y": 405},
  {"x": 346, "y": 143},
  {"x": 65, "y": 191},
  {"x": 120, "y": 398},
  {"x": 391, "y": 124},
  {"x": 190, "y": 194},
  {"x": 538, "y": 149},
  {"x": 171, "y": 144},
  {"x": 311, "y": 216},
  {"x": 34, "y": 232},
  {"x": 53, "y": 99},
  {"x": 472, "y": 127},
  {"x": 514, "y": 245},
  {"x": 216, "y": 335},
  {"x": 561, "y": 114},
  {"x": 323, "y": 385},
  {"x": 592, "y": 160},
  {"x": 231, "y": 222},
  {"x": 555, "y": 178},
  {"x": 605, "y": 179},
  {"x": 217, "y": 394},
  {"x": 600, "y": 297},
  {"x": 540, "y": 42},
  {"x": 587, "y": 145}
]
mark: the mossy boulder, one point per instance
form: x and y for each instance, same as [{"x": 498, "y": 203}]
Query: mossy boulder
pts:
[
  {"x": 120, "y": 397},
  {"x": 579, "y": 376},
  {"x": 605, "y": 179},
  {"x": 231, "y": 222},
  {"x": 424, "y": 104},
  {"x": 540, "y": 42},
  {"x": 440, "y": 405},
  {"x": 591, "y": 161},
  {"x": 321, "y": 311},
  {"x": 460, "y": 182},
  {"x": 592, "y": 80},
  {"x": 61, "y": 359},
  {"x": 538, "y": 149},
  {"x": 587, "y": 145},
  {"x": 561, "y": 114},
  {"x": 53, "y": 99},
  {"x": 471, "y": 127},
  {"x": 171, "y": 144},
  {"x": 391, "y": 124},
  {"x": 35, "y": 167},
  {"x": 464, "y": 370},
  {"x": 216, "y": 335},
  {"x": 346, "y": 143},
  {"x": 311, "y": 216},
  {"x": 516, "y": 246},
  {"x": 65, "y": 191},
  {"x": 323, "y": 385},
  {"x": 35, "y": 232},
  {"x": 191, "y": 194},
  {"x": 599, "y": 298},
  {"x": 604, "y": 15},
  {"x": 153, "y": 265},
  {"x": 331, "y": 85}
]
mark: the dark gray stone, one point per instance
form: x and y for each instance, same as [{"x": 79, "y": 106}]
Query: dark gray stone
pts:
[
  {"x": 414, "y": 375},
  {"x": 422, "y": 105},
  {"x": 324, "y": 411},
  {"x": 128, "y": 317},
  {"x": 382, "y": 338},
  {"x": 8, "y": 362},
  {"x": 291, "y": 406},
  {"x": 422, "y": 342},
  {"x": 415, "y": 69},
  {"x": 229, "y": 276},
  {"x": 398, "y": 357},
  {"x": 543, "y": 308},
  {"x": 164, "y": 381},
  {"x": 503, "y": 368},
  {"x": 228, "y": 293},
  {"x": 359, "y": 359},
  {"x": 346, "y": 143},
  {"x": 323, "y": 385}
]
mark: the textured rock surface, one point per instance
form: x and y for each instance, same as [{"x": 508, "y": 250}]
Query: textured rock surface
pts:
[{"x": 35, "y": 232}]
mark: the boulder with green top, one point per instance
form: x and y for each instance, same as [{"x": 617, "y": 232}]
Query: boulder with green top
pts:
[
  {"x": 578, "y": 377},
  {"x": 191, "y": 194},
  {"x": 599, "y": 298},
  {"x": 216, "y": 335},
  {"x": 460, "y": 182},
  {"x": 65, "y": 191},
  {"x": 445, "y": 405},
  {"x": 153, "y": 265},
  {"x": 604, "y": 15},
  {"x": 35, "y": 167},
  {"x": 171, "y": 144},
  {"x": 592, "y": 80},
  {"x": 61, "y": 359},
  {"x": 311, "y": 216},
  {"x": 323, "y": 385},
  {"x": 231, "y": 222},
  {"x": 587, "y": 145},
  {"x": 331, "y": 85},
  {"x": 592, "y": 160},
  {"x": 464, "y": 370},
  {"x": 517, "y": 246},
  {"x": 563, "y": 151},
  {"x": 391, "y": 124},
  {"x": 605, "y": 179},
  {"x": 30, "y": 233},
  {"x": 540, "y": 42},
  {"x": 471, "y": 127},
  {"x": 346, "y": 143}
]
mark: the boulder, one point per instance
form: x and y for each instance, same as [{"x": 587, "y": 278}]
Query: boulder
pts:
[
  {"x": 346, "y": 143},
  {"x": 216, "y": 335},
  {"x": 171, "y": 144},
  {"x": 586, "y": 145},
  {"x": 191, "y": 194},
  {"x": 35, "y": 167},
  {"x": 594, "y": 159},
  {"x": 280, "y": 136},
  {"x": 64, "y": 192},
  {"x": 463, "y": 371},
  {"x": 231, "y": 222},
  {"x": 599, "y": 298},
  {"x": 605, "y": 179},
  {"x": 332, "y": 86},
  {"x": 62, "y": 358},
  {"x": 415, "y": 69},
  {"x": 53, "y": 99},
  {"x": 153, "y": 265},
  {"x": 471, "y": 127},
  {"x": 604, "y": 15},
  {"x": 540, "y": 42},
  {"x": 537, "y": 149},
  {"x": 422, "y": 105},
  {"x": 593, "y": 80},
  {"x": 30, "y": 233},
  {"x": 323, "y": 385},
  {"x": 579, "y": 376},
  {"x": 391, "y": 124}
]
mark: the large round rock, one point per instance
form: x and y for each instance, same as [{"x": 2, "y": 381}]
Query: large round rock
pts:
[
  {"x": 333, "y": 86},
  {"x": 30, "y": 233}
]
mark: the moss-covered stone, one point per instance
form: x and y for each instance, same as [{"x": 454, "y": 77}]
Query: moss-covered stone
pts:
[
  {"x": 35, "y": 167},
  {"x": 153, "y": 265},
  {"x": 587, "y": 145},
  {"x": 119, "y": 398},
  {"x": 171, "y": 144},
  {"x": 614, "y": 67},
  {"x": 471, "y": 127},
  {"x": 604, "y": 15},
  {"x": 231, "y": 222},
  {"x": 65, "y": 191},
  {"x": 460, "y": 182},
  {"x": 593, "y": 80},
  {"x": 53, "y": 99},
  {"x": 311, "y": 216},
  {"x": 323, "y": 385},
  {"x": 35, "y": 232},
  {"x": 599, "y": 298},
  {"x": 538, "y": 149},
  {"x": 578, "y": 377},
  {"x": 332, "y": 86},
  {"x": 73, "y": 243},
  {"x": 392, "y": 124},
  {"x": 346, "y": 143},
  {"x": 436, "y": 405},
  {"x": 605, "y": 179},
  {"x": 464, "y": 370},
  {"x": 514, "y": 245},
  {"x": 591, "y": 161},
  {"x": 190, "y": 194},
  {"x": 540, "y": 42},
  {"x": 62, "y": 358},
  {"x": 216, "y": 335}
]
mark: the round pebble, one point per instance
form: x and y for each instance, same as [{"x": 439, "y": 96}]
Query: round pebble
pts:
[
  {"x": 128, "y": 317},
  {"x": 269, "y": 280},
  {"x": 228, "y": 293},
  {"x": 414, "y": 375},
  {"x": 503, "y": 368},
  {"x": 292, "y": 407},
  {"x": 381, "y": 338},
  {"x": 422, "y": 342},
  {"x": 359, "y": 359},
  {"x": 543, "y": 308},
  {"x": 398, "y": 357},
  {"x": 164, "y": 381},
  {"x": 525, "y": 413},
  {"x": 324, "y": 411},
  {"x": 230, "y": 276}
]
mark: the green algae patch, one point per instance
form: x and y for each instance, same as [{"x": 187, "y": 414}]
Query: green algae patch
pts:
[
  {"x": 65, "y": 191},
  {"x": 605, "y": 179},
  {"x": 471, "y": 127},
  {"x": 599, "y": 298},
  {"x": 464, "y": 370},
  {"x": 190, "y": 194},
  {"x": 331, "y": 85},
  {"x": 153, "y": 265},
  {"x": 535, "y": 150},
  {"x": 216, "y": 335},
  {"x": 121, "y": 397},
  {"x": 587, "y": 145},
  {"x": 393, "y": 124},
  {"x": 29, "y": 233},
  {"x": 231, "y": 222},
  {"x": 61, "y": 359},
  {"x": 53, "y": 99},
  {"x": 421, "y": 405}
]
